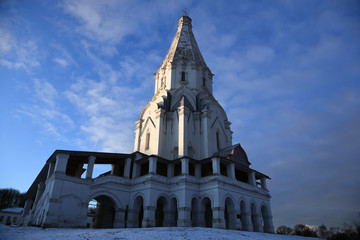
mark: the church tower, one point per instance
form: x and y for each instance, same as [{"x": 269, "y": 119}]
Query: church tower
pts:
[
  {"x": 183, "y": 118},
  {"x": 184, "y": 170}
]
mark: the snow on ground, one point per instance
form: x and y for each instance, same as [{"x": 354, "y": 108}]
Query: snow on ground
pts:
[{"x": 29, "y": 233}]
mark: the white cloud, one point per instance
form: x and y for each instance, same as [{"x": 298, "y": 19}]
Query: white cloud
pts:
[
  {"x": 45, "y": 110},
  {"x": 61, "y": 61},
  {"x": 5, "y": 41},
  {"x": 18, "y": 53}
]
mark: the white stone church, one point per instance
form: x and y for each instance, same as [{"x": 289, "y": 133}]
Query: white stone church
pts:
[{"x": 184, "y": 171}]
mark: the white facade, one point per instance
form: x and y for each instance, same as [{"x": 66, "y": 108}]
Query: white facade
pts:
[{"x": 184, "y": 170}]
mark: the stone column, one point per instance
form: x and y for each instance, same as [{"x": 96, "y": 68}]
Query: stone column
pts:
[
  {"x": 149, "y": 216},
  {"x": 230, "y": 169},
  {"x": 247, "y": 223},
  {"x": 127, "y": 168},
  {"x": 198, "y": 170},
  {"x": 218, "y": 217},
  {"x": 119, "y": 218},
  {"x": 152, "y": 164},
  {"x": 51, "y": 169},
  {"x": 184, "y": 219},
  {"x": 170, "y": 170},
  {"x": 61, "y": 162},
  {"x": 216, "y": 166},
  {"x": 256, "y": 225},
  {"x": 136, "y": 170},
  {"x": 263, "y": 183},
  {"x": 251, "y": 176},
  {"x": 185, "y": 166},
  {"x": 90, "y": 167}
]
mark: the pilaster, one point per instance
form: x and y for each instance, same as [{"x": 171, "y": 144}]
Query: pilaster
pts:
[
  {"x": 119, "y": 218},
  {"x": 216, "y": 166},
  {"x": 252, "y": 180},
  {"x": 185, "y": 166},
  {"x": 149, "y": 216},
  {"x": 218, "y": 217},
  {"x": 61, "y": 162},
  {"x": 230, "y": 168},
  {"x": 184, "y": 219},
  {"x": 152, "y": 164},
  {"x": 127, "y": 168},
  {"x": 263, "y": 183}
]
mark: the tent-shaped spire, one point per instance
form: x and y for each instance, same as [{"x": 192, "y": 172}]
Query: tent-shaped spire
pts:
[{"x": 184, "y": 47}]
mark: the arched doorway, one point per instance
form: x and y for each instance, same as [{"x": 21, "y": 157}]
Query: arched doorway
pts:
[
  {"x": 229, "y": 213},
  {"x": 138, "y": 212},
  {"x": 267, "y": 226},
  {"x": 208, "y": 215},
  {"x": 101, "y": 212},
  {"x": 159, "y": 212}
]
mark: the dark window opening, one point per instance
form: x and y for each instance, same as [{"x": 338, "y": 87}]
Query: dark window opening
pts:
[
  {"x": 74, "y": 169},
  {"x": 131, "y": 169},
  {"x": 118, "y": 168},
  {"x": 177, "y": 169},
  {"x": 183, "y": 76},
  {"x": 241, "y": 176},
  {"x": 191, "y": 169},
  {"x": 161, "y": 169},
  {"x": 223, "y": 170},
  {"x": 206, "y": 169},
  {"x": 144, "y": 169},
  {"x": 204, "y": 82},
  {"x": 218, "y": 140}
]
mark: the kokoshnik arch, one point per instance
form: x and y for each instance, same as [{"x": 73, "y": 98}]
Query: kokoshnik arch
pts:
[{"x": 184, "y": 170}]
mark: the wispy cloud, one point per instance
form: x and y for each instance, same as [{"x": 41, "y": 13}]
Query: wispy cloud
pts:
[
  {"x": 44, "y": 110},
  {"x": 17, "y": 53}
]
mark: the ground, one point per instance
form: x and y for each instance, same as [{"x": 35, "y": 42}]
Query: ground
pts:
[{"x": 27, "y": 233}]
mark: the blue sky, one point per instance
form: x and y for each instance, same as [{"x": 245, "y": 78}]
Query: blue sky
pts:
[{"x": 75, "y": 75}]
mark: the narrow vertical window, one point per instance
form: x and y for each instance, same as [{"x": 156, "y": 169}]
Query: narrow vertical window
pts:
[
  {"x": 147, "y": 145},
  {"x": 203, "y": 82},
  {"x": 217, "y": 140},
  {"x": 182, "y": 76}
]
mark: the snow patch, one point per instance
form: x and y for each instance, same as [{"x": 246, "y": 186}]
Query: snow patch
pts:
[{"x": 164, "y": 233}]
